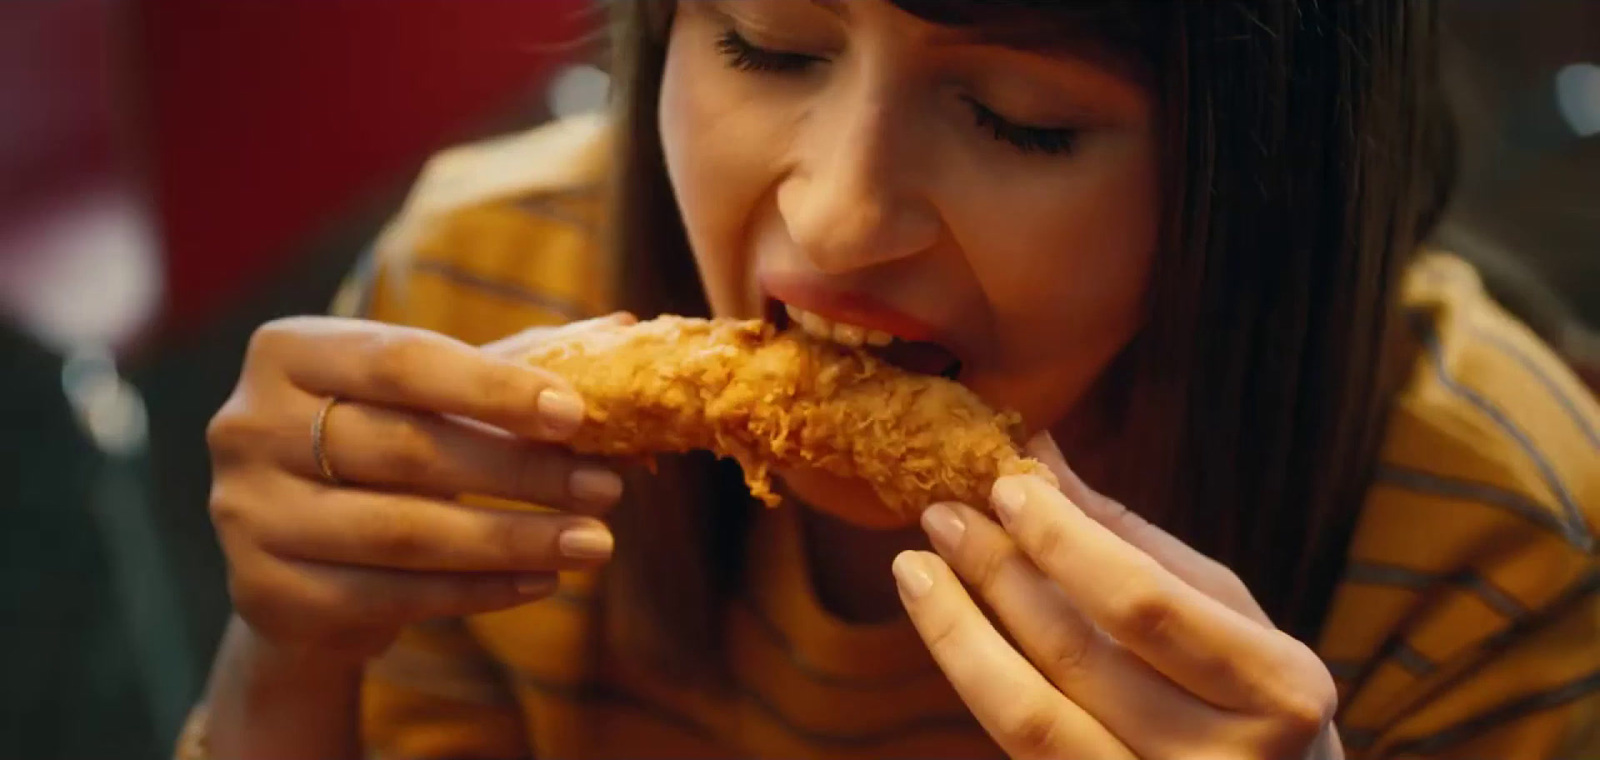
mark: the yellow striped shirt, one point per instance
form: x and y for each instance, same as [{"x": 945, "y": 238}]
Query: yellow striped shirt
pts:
[{"x": 1465, "y": 625}]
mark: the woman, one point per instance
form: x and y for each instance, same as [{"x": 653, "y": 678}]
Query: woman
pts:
[{"x": 1177, "y": 237}]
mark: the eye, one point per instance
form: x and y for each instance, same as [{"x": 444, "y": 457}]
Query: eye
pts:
[
  {"x": 744, "y": 55},
  {"x": 1024, "y": 138}
]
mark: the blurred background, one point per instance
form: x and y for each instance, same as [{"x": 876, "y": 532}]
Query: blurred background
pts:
[{"x": 174, "y": 172}]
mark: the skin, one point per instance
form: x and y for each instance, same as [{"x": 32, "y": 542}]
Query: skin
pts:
[
  {"x": 850, "y": 161},
  {"x": 323, "y": 576},
  {"x": 868, "y": 173}
]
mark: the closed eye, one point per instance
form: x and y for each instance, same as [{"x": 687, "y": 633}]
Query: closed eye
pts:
[
  {"x": 744, "y": 55},
  {"x": 1049, "y": 140}
]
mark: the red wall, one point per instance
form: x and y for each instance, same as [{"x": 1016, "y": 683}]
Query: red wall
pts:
[{"x": 268, "y": 118}]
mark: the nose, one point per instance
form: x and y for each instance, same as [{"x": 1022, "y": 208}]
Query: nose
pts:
[{"x": 854, "y": 198}]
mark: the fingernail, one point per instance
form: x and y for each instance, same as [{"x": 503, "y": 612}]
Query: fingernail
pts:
[
  {"x": 943, "y": 526},
  {"x": 562, "y": 410},
  {"x": 1008, "y": 496},
  {"x": 536, "y": 585},
  {"x": 909, "y": 574},
  {"x": 585, "y": 543},
  {"x": 595, "y": 486}
]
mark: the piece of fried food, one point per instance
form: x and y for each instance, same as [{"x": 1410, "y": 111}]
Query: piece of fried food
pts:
[{"x": 742, "y": 389}]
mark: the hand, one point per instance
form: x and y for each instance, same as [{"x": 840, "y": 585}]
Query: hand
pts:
[
  {"x": 1133, "y": 645},
  {"x": 338, "y": 568}
]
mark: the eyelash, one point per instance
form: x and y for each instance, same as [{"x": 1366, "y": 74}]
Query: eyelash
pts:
[
  {"x": 743, "y": 55},
  {"x": 1051, "y": 141}
]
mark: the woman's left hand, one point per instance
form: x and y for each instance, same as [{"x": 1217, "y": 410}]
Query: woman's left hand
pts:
[{"x": 1133, "y": 645}]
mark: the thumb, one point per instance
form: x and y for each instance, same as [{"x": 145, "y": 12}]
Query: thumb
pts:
[{"x": 1203, "y": 573}]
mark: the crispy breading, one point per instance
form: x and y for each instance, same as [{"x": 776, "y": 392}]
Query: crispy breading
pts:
[{"x": 779, "y": 400}]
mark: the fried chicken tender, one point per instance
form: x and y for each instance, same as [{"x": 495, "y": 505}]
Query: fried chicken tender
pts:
[{"x": 778, "y": 400}]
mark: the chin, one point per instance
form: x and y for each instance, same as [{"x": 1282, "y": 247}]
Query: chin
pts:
[{"x": 848, "y": 500}]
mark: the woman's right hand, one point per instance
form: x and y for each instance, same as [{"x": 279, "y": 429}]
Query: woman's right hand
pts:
[{"x": 336, "y": 569}]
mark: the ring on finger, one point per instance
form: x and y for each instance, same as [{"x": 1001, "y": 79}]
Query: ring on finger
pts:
[{"x": 319, "y": 441}]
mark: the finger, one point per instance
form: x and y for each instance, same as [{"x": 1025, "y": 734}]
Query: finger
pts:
[
  {"x": 1024, "y": 714},
  {"x": 397, "y": 449},
  {"x": 399, "y": 531},
  {"x": 426, "y": 371},
  {"x": 342, "y": 596},
  {"x": 514, "y": 346},
  {"x": 1121, "y": 691},
  {"x": 1198, "y": 570},
  {"x": 1198, "y": 642}
]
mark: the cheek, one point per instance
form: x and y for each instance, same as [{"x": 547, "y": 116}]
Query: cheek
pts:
[
  {"x": 709, "y": 160},
  {"x": 1066, "y": 277},
  {"x": 1078, "y": 261}
]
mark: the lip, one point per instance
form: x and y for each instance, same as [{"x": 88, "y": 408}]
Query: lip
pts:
[{"x": 852, "y": 308}]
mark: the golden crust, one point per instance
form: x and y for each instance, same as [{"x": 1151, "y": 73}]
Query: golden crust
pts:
[{"x": 781, "y": 400}]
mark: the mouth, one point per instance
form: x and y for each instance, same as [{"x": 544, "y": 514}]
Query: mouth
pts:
[{"x": 918, "y": 356}]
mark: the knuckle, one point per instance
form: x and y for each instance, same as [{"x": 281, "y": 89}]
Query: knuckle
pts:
[
  {"x": 1304, "y": 712},
  {"x": 333, "y": 614},
  {"x": 269, "y": 336},
  {"x": 220, "y": 429},
  {"x": 339, "y": 601},
  {"x": 988, "y": 567},
  {"x": 233, "y": 432},
  {"x": 1049, "y": 539},
  {"x": 1141, "y": 610},
  {"x": 501, "y": 386},
  {"x": 233, "y": 427},
  {"x": 408, "y": 454},
  {"x": 396, "y": 358},
  {"x": 1069, "y": 653},
  {"x": 944, "y": 635},
  {"x": 524, "y": 541},
  {"x": 396, "y": 540},
  {"x": 271, "y": 340},
  {"x": 227, "y": 515},
  {"x": 1034, "y": 731},
  {"x": 230, "y": 513}
]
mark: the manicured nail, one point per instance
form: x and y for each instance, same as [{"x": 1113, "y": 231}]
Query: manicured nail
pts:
[
  {"x": 1008, "y": 496},
  {"x": 914, "y": 581},
  {"x": 595, "y": 486},
  {"x": 585, "y": 543},
  {"x": 944, "y": 526},
  {"x": 562, "y": 410},
  {"x": 536, "y": 585}
]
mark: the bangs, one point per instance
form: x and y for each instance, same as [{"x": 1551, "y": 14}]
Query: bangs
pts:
[{"x": 1125, "y": 26}]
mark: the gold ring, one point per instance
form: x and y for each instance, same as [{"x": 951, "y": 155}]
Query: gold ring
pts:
[{"x": 319, "y": 442}]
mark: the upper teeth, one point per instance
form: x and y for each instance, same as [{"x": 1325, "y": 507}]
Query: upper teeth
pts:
[{"x": 839, "y": 332}]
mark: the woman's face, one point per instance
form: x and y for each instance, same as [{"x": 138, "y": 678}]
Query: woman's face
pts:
[{"x": 957, "y": 185}]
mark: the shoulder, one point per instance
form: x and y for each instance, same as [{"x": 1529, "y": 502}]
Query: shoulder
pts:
[
  {"x": 1489, "y": 404},
  {"x": 1478, "y": 532},
  {"x": 496, "y": 236}
]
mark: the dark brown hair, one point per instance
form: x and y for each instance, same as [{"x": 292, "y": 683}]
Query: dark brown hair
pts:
[{"x": 1308, "y": 156}]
